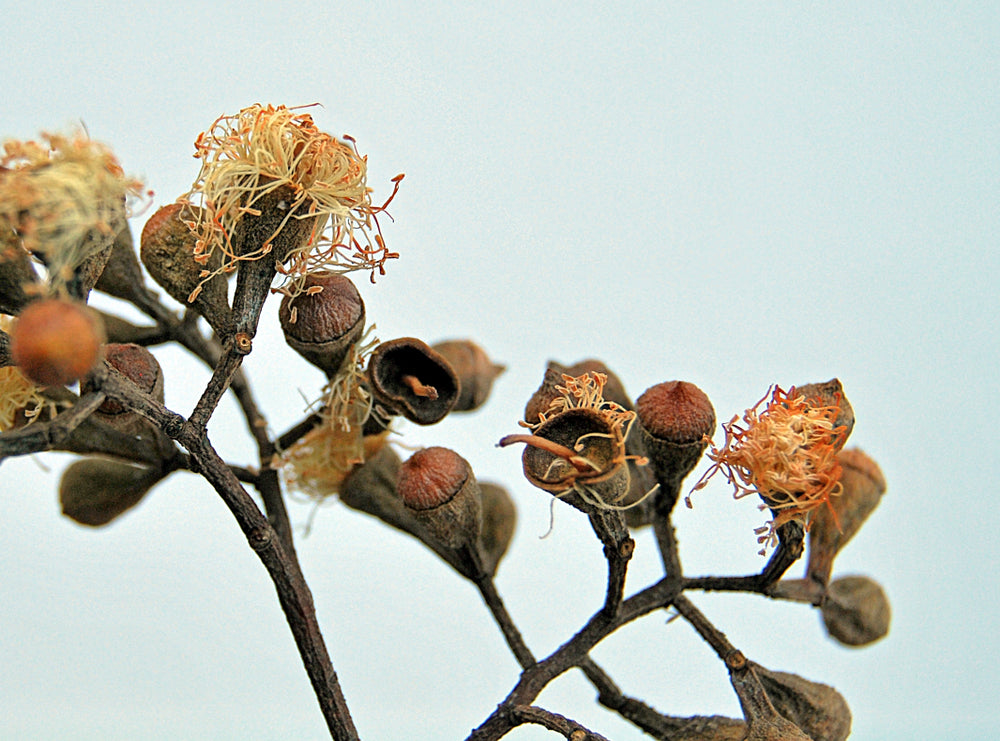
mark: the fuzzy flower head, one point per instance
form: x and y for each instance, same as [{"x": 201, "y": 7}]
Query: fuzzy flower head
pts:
[
  {"x": 261, "y": 149},
  {"x": 66, "y": 197},
  {"x": 786, "y": 453},
  {"x": 322, "y": 459}
]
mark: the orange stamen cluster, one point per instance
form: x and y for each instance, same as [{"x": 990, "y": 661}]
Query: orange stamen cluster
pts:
[
  {"x": 786, "y": 453},
  {"x": 263, "y": 148}
]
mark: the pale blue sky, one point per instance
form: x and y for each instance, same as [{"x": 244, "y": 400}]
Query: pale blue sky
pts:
[{"x": 731, "y": 194}]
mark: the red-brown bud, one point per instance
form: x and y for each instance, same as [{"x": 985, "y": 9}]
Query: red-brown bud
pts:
[
  {"x": 55, "y": 341},
  {"x": 438, "y": 487},
  {"x": 138, "y": 365},
  {"x": 676, "y": 420}
]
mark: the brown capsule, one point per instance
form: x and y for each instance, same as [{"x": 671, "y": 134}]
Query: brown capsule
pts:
[
  {"x": 17, "y": 275},
  {"x": 409, "y": 378},
  {"x": 588, "y": 459},
  {"x": 322, "y": 325},
  {"x": 55, "y": 341},
  {"x": 95, "y": 491},
  {"x": 476, "y": 372},
  {"x": 832, "y": 527},
  {"x": 764, "y": 722},
  {"x": 830, "y": 394},
  {"x": 818, "y": 709},
  {"x": 539, "y": 402},
  {"x": 676, "y": 419},
  {"x": 138, "y": 365},
  {"x": 856, "y": 611},
  {"x": 167, "y": 250},
  {"x": 5, "y": 358},
  {"x": 438, "y": 487},
  {"x": 499, "y": 523},
  {"x": 122, "y": 277}
]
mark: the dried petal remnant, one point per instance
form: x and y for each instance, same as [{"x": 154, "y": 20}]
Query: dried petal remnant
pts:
[{"x": 786, "y": 453}]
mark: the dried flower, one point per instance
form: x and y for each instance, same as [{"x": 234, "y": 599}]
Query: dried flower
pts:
[
  {"x": 66, "y": 197},
  {"x": 786, "y": 453},
  {"x": 578, "y": 445},
  {"x": 319, "y": 463},
  {"x": 263, "y": 149}
]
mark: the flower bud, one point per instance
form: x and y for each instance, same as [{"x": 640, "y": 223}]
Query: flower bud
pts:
[
  {"x": 56, "y": 341},
  {"x": 94, "y": 491},
  {"x": 833, "y": 526},
  {"x": 138, "y": 365},
  {"x": 818, "y": 709},
  {"x": 475, "y": 371},
  {"x": 409, "y": 378},
  {"x": 676, "y": 419},
  {"x": 323, "y": 321},
  {"x": 856, "y": 611},
  {"x": 168, "y": 251},
  {"x": 499, "y": 522},
  {"x": 438, "y": 487}
]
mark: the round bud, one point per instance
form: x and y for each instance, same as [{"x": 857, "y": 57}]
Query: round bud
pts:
[
  {"x": 56, "y": 341},
  {"x": 323, "y": 321},
  {"x": 676, "y": 419},
  {"x": 438, "y": 487},
  {"x": 138, "y": 365},
  {"x": 856, "y": 611}
]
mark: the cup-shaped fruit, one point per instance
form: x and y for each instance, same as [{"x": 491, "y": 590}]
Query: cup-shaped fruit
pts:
[
  {"x": 676, "y": 420},
  {"x": 817, "y": 709},
  {"x": 409, "y": 378},
  {"x": 438, "y": 487},
  {"x": 95, "y": 491},
  {"x": 138, "y": 365},
  {"x": 499, "y": 523},
  {"x": 168, "y": 251},
  {"x": 476, "y": 372},
  {"x": 56, "y": 341},
  {"x": 856, "y": 611},
  {"x": 830, "y": 393},
  {"x": 323, "y": 321},
  {"x": 577, "y": 451},
  {"x": 862, "y": 487}
]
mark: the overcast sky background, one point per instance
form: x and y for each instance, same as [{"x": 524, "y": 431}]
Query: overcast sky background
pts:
[{"x": 732, "y": 194}]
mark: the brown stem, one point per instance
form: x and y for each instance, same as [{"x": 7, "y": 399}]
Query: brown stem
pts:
[
  {"x": 293, "y": 592},
  {"x": 487, "y": 588}
]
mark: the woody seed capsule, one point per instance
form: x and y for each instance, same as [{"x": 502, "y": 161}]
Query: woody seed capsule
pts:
[
  {"x": 438, "y": 487},
  {"x": 138, "y": 365},
  {"x": 409, "y": 378},
  {"x": 856, "y": 611},
  {"x": 476, "y": 372},
  {"x": 167, "y": 249}
]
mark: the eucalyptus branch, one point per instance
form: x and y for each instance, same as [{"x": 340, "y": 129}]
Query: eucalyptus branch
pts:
[{"x": 38, "y": 436}]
